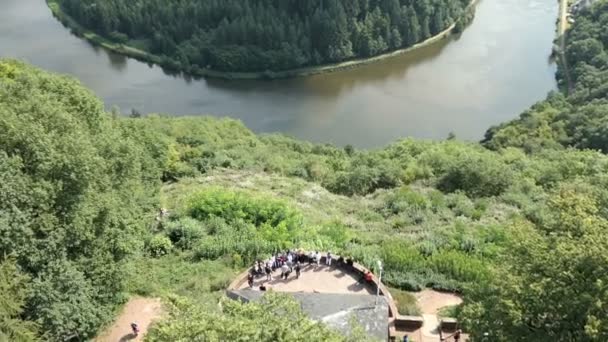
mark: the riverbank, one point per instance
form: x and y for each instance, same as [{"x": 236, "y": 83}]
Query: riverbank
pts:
[
  {"x": 144, "y": 56},
  {"x": 562, "y": 31}
]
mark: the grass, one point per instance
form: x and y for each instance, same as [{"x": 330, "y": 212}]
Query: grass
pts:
[
  {"x": 451, "y": 311},
  {"x": 176, "y": 274},
  {"x": 406, "y": 302}
]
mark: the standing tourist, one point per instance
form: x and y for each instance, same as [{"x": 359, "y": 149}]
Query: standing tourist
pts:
[
  {"x": 250, "y": 279},
  {"x": 284, "y": 271},
  {"x": 268, "y": 271}
]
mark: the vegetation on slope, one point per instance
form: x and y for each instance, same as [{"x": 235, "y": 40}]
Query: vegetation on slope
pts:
[
  {"x": 261, "y": 35},
  {"x": 520, "y": 232},
  {"x": 73, "y": 195}
]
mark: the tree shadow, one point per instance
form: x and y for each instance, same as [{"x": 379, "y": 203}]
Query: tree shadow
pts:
[{"x": 128, "y": 337}]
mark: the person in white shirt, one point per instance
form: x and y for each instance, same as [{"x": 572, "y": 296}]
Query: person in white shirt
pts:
[{"x": 284, "y": 271}]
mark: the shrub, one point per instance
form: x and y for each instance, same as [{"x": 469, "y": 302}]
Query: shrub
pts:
[
  {"x": 406, "y": 199},
  {"x": 159, "y": 245},
  {"x": 185, "y": 233},
  {"x": 458, "y": 266},
  {"x": 480, "y": 175},
  {"x": 404, "y": 280},
  {"x": 233, "y": 206}
]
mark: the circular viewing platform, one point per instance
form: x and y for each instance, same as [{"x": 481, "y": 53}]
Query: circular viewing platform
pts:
[
  {"x": 335, "y": 293},
  {"x": 316, "y": 279},
  {"x": 332, "y": 294}
]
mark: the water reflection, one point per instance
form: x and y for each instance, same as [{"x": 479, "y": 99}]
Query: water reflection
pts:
[{"x": 463, "y": 84}]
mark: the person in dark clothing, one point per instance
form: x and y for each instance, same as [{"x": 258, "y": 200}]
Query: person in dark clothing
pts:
[
  {"x": 250, "y": 280},
  {"x": 268, "y": 271},
  {"x": 340, "y": 261},
  {"x": 298, "y": 269}
]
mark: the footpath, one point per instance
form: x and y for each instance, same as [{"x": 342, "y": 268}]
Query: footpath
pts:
[{"x": 142, "y": 311}]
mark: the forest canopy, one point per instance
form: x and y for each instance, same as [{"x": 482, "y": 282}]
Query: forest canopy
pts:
[{"x": 261, "y": 35}]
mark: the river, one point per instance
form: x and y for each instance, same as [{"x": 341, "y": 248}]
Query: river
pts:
[{"x": 492, "y": 72}]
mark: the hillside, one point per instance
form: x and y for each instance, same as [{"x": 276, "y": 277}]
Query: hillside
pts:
[
  {"x": 512, "y": 231},
  {"x": 261, "y": 35}
]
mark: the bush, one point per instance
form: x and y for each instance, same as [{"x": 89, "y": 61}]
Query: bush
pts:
[
  {"x": 233, "y": 206},
  {"x": 185, "y": 233},
  {"x": 159, "y": 245},
  {"x": 481, "y": 175},
  {"x": 404, "y": 281}
]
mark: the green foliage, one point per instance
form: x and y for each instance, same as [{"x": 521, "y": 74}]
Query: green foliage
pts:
[
  {"x": 515, "y": 231},
  {"x": 450, "y": 311},
  {"x": 274, "y": 318},
  {"x": 186, "y": 232},
  {"x": 264, "y": 36},
  {"x": 547, "y": 287},
  {"x": 178, "y": 274},
  {"x": 478, "y": 176},
  {"x": 72, "y": 197},
  {"x": 406, "y": 302},
  {"x": 159, "y": 245},
  {"x": 235, "y": 206},
  {"x": 13, "y": 294},
  {"x": 64, "y": 303}
]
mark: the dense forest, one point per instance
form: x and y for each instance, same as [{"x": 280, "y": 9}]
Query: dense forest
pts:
[
  {"x": 261, "y": 35},
  {"x": 518, "y": 225}
]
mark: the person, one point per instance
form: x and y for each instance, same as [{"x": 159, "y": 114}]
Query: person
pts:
[
  {"x": 455, "y": 335},
  {"x": 311, "y": 258},
  {"x": 268, "y": 271},
  {"x": 317, "y": 258},
  {"x": 284, "y": 271},
  {"x": 135, "y": 328},
  {"x": 328, "y": 259},
  {"x": 367, "y": 276},
  {"x": 250, "y": 279},
  {"x": 298, "y": 269},
  {"x": 406, "y": 338}
]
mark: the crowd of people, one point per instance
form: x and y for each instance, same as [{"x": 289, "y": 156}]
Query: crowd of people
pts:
[{"x": 289, "y": 262}]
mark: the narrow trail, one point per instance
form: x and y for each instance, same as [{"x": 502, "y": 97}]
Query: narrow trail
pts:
[
  {"x": 562, "y": 31},
  {"x": 143, "y": 311},
  {"x": 430, "y": 302}
]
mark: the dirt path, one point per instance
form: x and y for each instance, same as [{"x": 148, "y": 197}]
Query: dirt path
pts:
[
  {"x": 140, "y": 310},
  {"x": 430, "y": 302}
]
